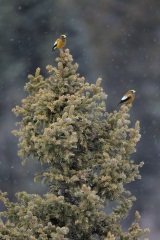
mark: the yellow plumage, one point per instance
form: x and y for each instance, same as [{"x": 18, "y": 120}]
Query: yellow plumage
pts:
[
  {"x": 128, "y": 97},
  {"x": 60, "y": 42}
]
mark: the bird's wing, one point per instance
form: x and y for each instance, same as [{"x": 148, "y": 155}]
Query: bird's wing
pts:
[
  {"x": 55, "y": 44},
  {"x": 125, "y": 98}
]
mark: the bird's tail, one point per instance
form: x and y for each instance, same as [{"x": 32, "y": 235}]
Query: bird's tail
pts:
[{"x": 119, "y": 102}]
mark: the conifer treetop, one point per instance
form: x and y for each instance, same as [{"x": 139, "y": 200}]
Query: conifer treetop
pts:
[{"x": 86, "y": 154}]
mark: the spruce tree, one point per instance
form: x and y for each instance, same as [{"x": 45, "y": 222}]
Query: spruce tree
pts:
[{"x": 86, "y": 156}]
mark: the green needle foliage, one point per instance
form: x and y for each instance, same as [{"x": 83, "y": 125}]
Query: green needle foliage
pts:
[{"x": 86, "y": 156}]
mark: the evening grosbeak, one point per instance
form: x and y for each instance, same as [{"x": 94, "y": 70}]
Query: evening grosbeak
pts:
[
  {"x": 128, "y": 97},
  {"x": 60, "y": 42}
]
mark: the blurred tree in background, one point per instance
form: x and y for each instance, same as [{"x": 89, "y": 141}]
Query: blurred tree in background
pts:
[
  {"x": 85, "y": 153},
  {"x": 117, "y": 40}
]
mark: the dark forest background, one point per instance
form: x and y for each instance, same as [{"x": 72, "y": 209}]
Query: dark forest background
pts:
[{"x": 116, "y": 40}]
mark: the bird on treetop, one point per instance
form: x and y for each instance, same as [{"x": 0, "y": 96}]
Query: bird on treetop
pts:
[
  {"x": 60, "y": 42},
  {"x": 128, "y": 97}
]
